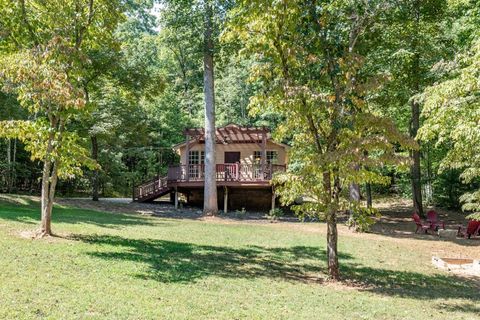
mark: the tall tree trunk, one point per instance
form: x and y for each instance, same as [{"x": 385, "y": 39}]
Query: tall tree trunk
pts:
[
  {"x": 14, "y": 165},
  {"x": 210, "y": 205},
  {"x": 332, "y": 239},
  {"x": 49, "y": 183},
  {"x": 46, "y": 219},
  {"x": 50, "y": 177},
  {"x": 95, "y": 181},
  {"x": 354, "y": 194},
  {"x": 368, "y": 186},
  {"x": 368, "y": 192},
  {"x": 354, "y": 191},
  {"x": 9, "y": 165},
  {"x": 415, "y": 170},
  {"x": 428, "y": 195},
  {"x": 331, "y": 198}
]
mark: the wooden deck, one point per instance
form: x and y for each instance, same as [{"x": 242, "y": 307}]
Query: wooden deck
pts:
[
  {"x": 228, "y": 174},
  {"x": 192, "y": 176}
]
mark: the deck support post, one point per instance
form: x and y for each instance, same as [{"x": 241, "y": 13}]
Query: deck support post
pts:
[
  {"x": 176, "y": 198},
  {"x": 273, "y": 199},
  {"x": 225, "y": 200}
]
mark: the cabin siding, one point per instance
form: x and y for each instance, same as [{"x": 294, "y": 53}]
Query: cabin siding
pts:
[{"x": 246, "y": 151}]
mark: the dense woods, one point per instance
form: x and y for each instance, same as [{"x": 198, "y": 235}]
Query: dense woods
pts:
[{"x": 378, "y": 96}]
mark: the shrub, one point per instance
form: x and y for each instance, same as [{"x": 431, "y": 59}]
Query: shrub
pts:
[
  {"x": 275, "y": 214},
  {"x": 361, "y": 219}
]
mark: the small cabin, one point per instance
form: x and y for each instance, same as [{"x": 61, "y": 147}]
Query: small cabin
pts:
[{"x": 246, "y": 159}]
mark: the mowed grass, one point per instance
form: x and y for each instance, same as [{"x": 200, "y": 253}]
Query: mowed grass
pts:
[{"x": 114, "y": 266}]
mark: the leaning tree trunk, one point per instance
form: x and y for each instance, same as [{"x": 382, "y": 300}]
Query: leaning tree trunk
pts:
[
  {"x": 95, "y": 171},
  {"x": 210, "y": 206}
]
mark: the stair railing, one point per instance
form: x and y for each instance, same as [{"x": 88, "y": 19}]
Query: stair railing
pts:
[{"x": 150, "y": 187}]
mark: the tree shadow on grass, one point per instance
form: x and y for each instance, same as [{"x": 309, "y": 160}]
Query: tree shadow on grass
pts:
[
  {"x": 170, "y": 261},
  {"x": 469, "y": 307},
  {"x": 410, "y": 284},
  {"x": 30, "y": 214}
]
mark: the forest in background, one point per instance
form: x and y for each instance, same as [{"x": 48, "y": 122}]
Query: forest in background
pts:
[{"x": 148, "y": 86}]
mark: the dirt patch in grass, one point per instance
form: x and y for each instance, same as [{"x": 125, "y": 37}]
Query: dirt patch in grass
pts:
[
  {"x": 28, "y": 234},
  {"x": 164, "y": 209},
  {"x": 158, "y": 208},
  {"x": 34, "y": 235}
]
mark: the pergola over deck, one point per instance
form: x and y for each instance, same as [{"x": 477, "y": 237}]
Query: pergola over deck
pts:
[{"x": 230, "y": 134}]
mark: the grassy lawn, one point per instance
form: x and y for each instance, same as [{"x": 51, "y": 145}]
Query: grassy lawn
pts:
[{"x": 121, "y": 266}]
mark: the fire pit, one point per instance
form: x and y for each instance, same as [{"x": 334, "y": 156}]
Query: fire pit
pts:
[{"x": 467, "y": 266}]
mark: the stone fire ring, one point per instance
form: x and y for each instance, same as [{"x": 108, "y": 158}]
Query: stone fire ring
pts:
[{"x": 466, "y": 266}]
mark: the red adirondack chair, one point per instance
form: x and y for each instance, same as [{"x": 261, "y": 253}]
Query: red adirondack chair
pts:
[
  {"x": 472, "y": 229},
  {"x": 421, "y": 225},
  {"x": 432, "y": 217}
]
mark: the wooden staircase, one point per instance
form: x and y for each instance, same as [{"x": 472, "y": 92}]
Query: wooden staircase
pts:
[{"x": 151, "y": 190}]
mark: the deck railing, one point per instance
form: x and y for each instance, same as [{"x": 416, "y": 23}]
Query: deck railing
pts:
[{"x": 225, "y": 172}]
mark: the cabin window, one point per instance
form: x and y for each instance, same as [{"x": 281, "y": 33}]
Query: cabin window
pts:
[
  {"x": 196, "y": 157},
  {"x": 272, "y": 157}
]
